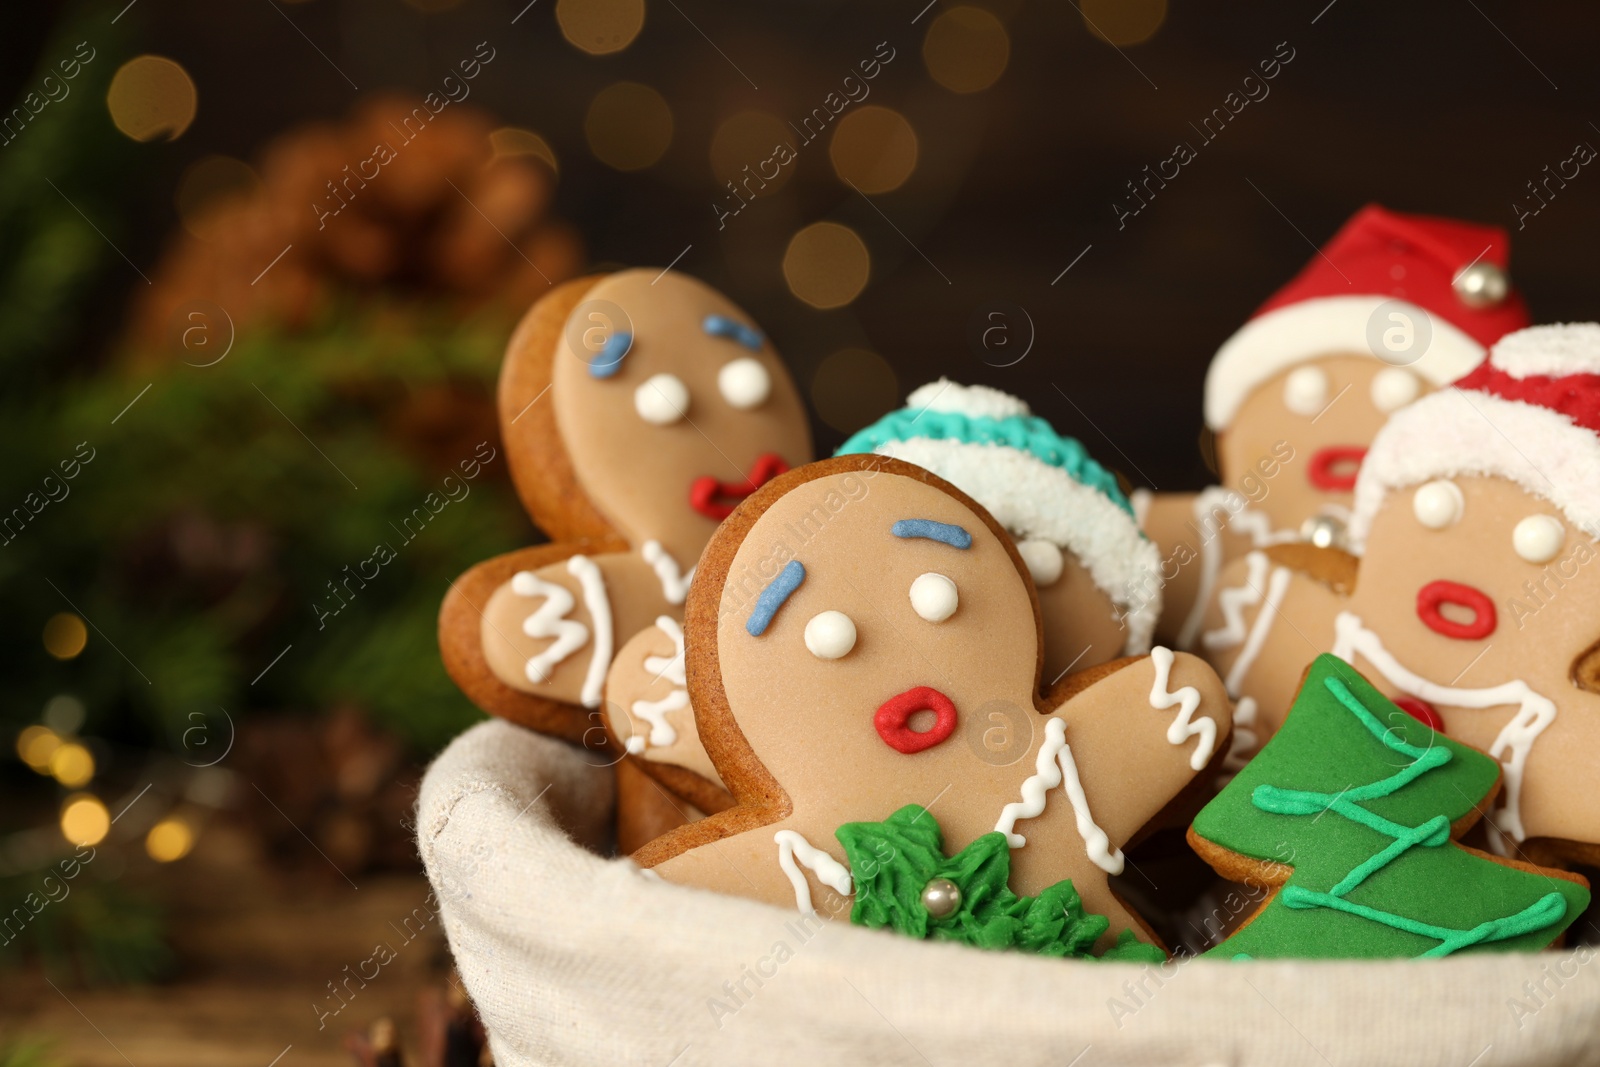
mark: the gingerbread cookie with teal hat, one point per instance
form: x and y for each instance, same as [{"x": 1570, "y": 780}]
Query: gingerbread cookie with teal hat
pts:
[
  {"x": 862, "y": 636},
  {"x": 1352, "y": 813},
  {"x": 637, "y": 408}
]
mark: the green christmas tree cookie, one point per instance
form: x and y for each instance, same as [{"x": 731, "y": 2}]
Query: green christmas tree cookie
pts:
[
  {"x": 904, "y": 881},
  {"x": 1352, "y": 809}
]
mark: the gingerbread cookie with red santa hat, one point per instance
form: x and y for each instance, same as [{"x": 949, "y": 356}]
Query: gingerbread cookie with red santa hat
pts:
[
  {"x": 862, "y": 637},
  {"x": 1392, "y": 308},
  {"x": 637, "y": 408},
  {"x": 1475, "y": 606}
]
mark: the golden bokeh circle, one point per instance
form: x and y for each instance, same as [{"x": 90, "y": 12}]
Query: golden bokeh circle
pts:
[
  {"x": 152, "y": 97},
  {"x": 852, "y": 387},
  {"x": 629, "y": 126},
  {"x": 874, "y": 148},
  {"x": 84, "y": 820},
  {"x": 65, "y": 635},
  {"x": 750, "y": 139},
  {"x": 966, "y": 49},
  {"x": 35, "y": 745},
  {"x": 169, "y": 840},
  {"x": 826, "y": 265},
  {"x": 72, "y": 765},
  {"x": 1124, "y": 22},
  {"x": 600, "y": 27},
  {"x": 513, "y": 142},
  {"x": 207, "y": 183}
]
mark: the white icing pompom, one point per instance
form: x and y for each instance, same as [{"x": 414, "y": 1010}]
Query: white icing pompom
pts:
[
  {"x": 830, "y": 635},
  {"x": 973, "y": 401},
  {"x": 1438, "y": 504},
  {"x": 662, "y": 400},
  {"x": 1538, "y": 538},
  {"x": 1043, "y": 559},
  {"x": 1305, "y": 390},
  {"x": 1393, "y": 388},
  {"x": 744, "y": 383},
  {"x": 934, "y": 597}
]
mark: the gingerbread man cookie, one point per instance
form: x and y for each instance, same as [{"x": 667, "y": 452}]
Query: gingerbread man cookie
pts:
[
  {"x": 1475, "y": 606},
  {"x": 1074, "y": 529},
  {"x": 637, "y": 408},
  {"x": 863, "y": 636},
  {"x": 1392, "y": 308}
]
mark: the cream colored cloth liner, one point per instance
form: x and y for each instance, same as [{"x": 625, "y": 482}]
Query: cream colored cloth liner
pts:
[{"x": 575, "y": 959}]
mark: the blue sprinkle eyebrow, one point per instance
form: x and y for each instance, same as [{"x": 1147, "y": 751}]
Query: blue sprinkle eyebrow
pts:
[
  {"x": 609, "y": 359},
  {"x": 954, "y": 536},
  {"x": 722, "y": 326},
  {"x": 773, "y": 596}
]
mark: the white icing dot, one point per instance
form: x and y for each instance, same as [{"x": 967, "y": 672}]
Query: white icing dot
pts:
[
  {"x": 1538, "y": 538},
  {"x": 1438, "y": 504},
  {"x": 1305, "y": 390},
  {"x": 744, "y": 383},
  {"x": 830, "y": 635},
  {"x": 662, "y": 400},
  {"x": 1043, "y": 559},
  {"x": 934, "y": 597},
  {"x": 1394, "y": 388}
]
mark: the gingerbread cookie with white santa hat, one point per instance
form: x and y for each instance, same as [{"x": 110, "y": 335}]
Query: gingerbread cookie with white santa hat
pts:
[
  {"x": 862, "y": 636},
  {"x": 1392, "y": 308},
  {"x": 1475, "y": 606},
  {"x": 637, "y": 408},
  {"x": 1092, "y": 567}
]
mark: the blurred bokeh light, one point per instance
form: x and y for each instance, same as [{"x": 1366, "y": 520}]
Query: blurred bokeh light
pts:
[
  {"x": 513, "y": 142},
  {"x": 600, "y": 27},
  {"x": 65, "y": 635},
  {"x": 169, "y": 840},
  {"x": 874, "y": 148},
  {"x": 152, "y": 97},
  {"x": 84, "y": 820},
  {"x": 748, "y": 139},
  {"x": 1124, "y": 22},
  {"x": 826, "y": 265},
  {"x": 207, "y": 183},
  {"x": 966, "y": 49},
  {"x": 629, "y": 126}
]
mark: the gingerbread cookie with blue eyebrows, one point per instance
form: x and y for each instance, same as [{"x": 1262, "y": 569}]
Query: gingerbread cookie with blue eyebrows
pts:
[
  {"x": 863, "y": 636},
  {"x": 637, "y": 409}
]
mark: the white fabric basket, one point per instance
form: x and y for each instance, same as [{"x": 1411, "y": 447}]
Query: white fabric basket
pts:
[{"x": 575, "y": 959}]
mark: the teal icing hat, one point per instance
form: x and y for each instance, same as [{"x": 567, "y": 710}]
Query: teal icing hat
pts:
[{"x": 1039, "y": 485}]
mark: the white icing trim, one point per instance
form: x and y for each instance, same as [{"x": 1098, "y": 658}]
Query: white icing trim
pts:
[
  {"x": 674, "y": 583},
  {"x": 1188, "y": 700},
  {"x": 974, "y": 401},
  {"x": 1555, "y": 350},
  {"x": 792, "y": 847},
  {"x": 669, "y": 668},
  {"x": 593, "y": 584},
  {"x": 549, "y": 620},
  {"x": 1244, "y": 738},
  {"x": 1535, "y": 712},
  {"x": 1054, "y": 766},
  {"x": 1330, "y": 325},
  {"x": 1233, "y": 600},
  {"x": 1034, "y": 500},
  {"x": 1277, "y": 586},
  {"x": 1462, "y": 431},
  {"x": 1256, "y": 524},
  {"x": 654, "y": 712}
]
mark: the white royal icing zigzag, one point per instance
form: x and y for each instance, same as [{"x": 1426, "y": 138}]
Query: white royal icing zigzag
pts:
[
  {"x": 1255, "y": 523},
  {"x": 1244, "y": 738},
  {"x": 1277, "y": 586},
  {"x": 1054, "y": 767},
  {"x": 594, "y": 598},
  {"x": 674, "y": 583},
  {"x": 830, "y": 872},
  {"x": 1188, "y": 699},
  {"x": 1233, "y": 600},
  {"x": 655, "y": 711},
  {"x": 1535, "y": 712},
  {"x": 550, "y": 620}
]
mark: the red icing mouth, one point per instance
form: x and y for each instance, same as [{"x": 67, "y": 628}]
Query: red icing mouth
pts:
[
  {"x": 1333, "y": 469},
  {"x": 716, "y": 500},
  {"x": 1422, "y": 711},
  {"x": 1435, "y": 594},
  {"x": 895, "y": 712}
]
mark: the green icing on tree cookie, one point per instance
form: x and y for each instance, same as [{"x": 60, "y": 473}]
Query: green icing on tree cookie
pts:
[
  {"x": 892, "y": 862},
  {"x": 1359, "y": 799}
]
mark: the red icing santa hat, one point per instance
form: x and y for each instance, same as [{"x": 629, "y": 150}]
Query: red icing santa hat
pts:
[
  {"x": 1530, "y": 413},
  {"x": 1450, "y": 276}
]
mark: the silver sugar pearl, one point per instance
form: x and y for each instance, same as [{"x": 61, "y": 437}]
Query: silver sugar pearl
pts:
[
  {"x": 1324, "y": 531},
  {"x": 1482, "y": 285},
  {"x": 941, "y": 897}
]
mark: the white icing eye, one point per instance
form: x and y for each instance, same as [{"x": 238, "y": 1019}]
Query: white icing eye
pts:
[
  {"x": 830, "y": 635},
  {"x": 1538, "y": 538},
  {"x": 744, "y": 383},
  {"x": 933, "y": 596},
  {"x": 1438, "y": 504},
  {"x": 1394, "y": 388},
  {"x": 662, "y": 400},
  {"x": 1043, "y": 559},
  {"x": 1305, "y": 391}
]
